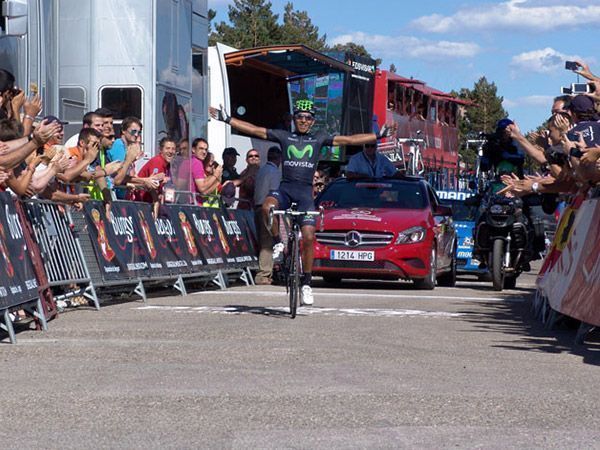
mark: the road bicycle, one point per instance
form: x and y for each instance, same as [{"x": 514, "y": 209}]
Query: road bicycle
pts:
[
  {"x": 481, "y": 177},
  {"x": 414, "y": 166},
  {"x": 292, "y": 265}
]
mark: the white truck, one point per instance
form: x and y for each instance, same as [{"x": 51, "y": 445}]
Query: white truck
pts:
[{"x": 146, "y": 58}]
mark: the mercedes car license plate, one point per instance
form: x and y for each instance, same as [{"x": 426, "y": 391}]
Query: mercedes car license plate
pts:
[{"x": 352, "y": 255}]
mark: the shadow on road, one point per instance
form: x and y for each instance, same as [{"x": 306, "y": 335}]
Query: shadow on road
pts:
[
  {"x": 258, "y": 310},
  {"x": 516, "y": 318}
]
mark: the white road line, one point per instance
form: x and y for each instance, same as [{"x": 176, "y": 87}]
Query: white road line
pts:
[
  {"x": 363, "y": 312},
  {"x": 360, "y": 294}
]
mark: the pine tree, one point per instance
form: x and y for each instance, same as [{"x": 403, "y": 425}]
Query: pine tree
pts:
[
  {"x": 212, "y": 40},
  {"x": 357, "y": 49},
  {"x": 482, "y": 116},
  {"x": 487, "y": 108},
  {"x": 298, "y": 28},
  {"x": 253, "y": 24},
  {"x": 351, "y": 47}
]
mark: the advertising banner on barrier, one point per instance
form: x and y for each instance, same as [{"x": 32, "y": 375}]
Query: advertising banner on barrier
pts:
[
  {"x": 563, "y": 233},
  {"x": 183, "y": 239},
  {"x": 176, "y": 245},
  {"x": 194, "y": 237},
  {"x": 126, "y": 241},
  {"x": 248, "y": 225},
  {"x": 18, "y": 283},
  {"x": 572, "y": 283},
  {"x": 238, "y": 233}
]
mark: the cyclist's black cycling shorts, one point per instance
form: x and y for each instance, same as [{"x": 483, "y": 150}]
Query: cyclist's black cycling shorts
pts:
[{"x": 301, "y": 194}]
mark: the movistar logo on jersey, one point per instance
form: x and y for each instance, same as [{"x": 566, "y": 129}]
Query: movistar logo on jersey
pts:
[{"x": 293, "y": 152}]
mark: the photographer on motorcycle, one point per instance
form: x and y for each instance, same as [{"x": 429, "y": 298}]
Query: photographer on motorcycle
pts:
[
  {"x": 500, "y": 154},
  {"x": 501, "y": 217}
]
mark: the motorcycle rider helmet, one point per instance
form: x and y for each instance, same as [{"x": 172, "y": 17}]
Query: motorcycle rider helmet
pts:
[
  {"x": 304, "y": 105},
  {"x": 505, "y": 168},
  {"x": 502, "y": 124}
]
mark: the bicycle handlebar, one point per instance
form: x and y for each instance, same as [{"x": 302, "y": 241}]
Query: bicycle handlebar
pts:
[
  {"x": 290, "y": 212},
  {"x": 409, "y": 140},
  {"x": 294, "y": 213}
]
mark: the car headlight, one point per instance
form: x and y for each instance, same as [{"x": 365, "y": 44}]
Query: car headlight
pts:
[{"x": 411, "y": 235}]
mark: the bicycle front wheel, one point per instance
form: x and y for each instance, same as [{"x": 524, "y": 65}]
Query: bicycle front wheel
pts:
[{"x": 294, "y": 276}]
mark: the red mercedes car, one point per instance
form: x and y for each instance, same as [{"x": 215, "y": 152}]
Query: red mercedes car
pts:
[{"x": 385, "y": 229}]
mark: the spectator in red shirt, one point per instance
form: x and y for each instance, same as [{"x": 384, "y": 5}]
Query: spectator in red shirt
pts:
[{"x": 160, "y": 164}]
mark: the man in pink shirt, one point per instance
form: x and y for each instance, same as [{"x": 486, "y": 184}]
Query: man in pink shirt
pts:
[{"x": 190, "y": 175}]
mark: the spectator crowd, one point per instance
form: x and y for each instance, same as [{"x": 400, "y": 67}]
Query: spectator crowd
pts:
[
  {"x": 36, "y": 162},
  {"x": 567, "y": 147}
]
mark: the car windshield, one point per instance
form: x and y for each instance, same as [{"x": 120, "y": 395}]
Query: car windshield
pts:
[
  {"x": 462, "y": 212},
  {"x": 374, "y": 194}
]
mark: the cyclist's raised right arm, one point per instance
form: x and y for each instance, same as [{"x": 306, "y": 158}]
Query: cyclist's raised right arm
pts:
[
  {"x": 249, "y": 128},
  {"x": 240, "y": 125}
]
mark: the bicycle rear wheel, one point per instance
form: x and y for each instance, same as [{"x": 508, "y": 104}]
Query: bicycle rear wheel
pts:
[{"x": 294, "y": 274}]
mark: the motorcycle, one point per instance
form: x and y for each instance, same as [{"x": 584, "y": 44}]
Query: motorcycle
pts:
[{"x": 502, "y": 240}]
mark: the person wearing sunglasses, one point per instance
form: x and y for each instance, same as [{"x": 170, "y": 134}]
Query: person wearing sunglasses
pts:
[
  {"x": 301, "y": 151},
  {"x": 131, "y": 134},
  {"x": 248, "y": 179},
  {"x": 130, "y": 140}
]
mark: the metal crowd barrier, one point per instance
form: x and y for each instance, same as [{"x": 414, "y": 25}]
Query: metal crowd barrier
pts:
[{"x": 60, "y": 249}]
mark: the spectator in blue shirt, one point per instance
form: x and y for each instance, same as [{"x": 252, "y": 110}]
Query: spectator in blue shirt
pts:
[
  {"x": 131, "y": 133},
  {"x": 370, "y": 163}
]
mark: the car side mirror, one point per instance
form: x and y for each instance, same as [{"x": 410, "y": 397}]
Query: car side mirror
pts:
[{"x": 443, "y": 210}]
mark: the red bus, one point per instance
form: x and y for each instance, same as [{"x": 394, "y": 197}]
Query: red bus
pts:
[{"x": 420, "y": 112}]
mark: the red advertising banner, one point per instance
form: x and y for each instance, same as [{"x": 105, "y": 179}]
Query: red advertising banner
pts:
[
  {"x": 183, "y": 239},
  {"x": 18, "y": 282},
  {"x": 572, "y": 283}
]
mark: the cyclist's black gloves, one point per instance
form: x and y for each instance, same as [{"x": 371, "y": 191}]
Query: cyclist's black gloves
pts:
[{"x": 222, "y": 115}]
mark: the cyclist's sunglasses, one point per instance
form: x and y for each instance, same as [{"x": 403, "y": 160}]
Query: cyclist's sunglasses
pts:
[{"x": 307, "y": 117}]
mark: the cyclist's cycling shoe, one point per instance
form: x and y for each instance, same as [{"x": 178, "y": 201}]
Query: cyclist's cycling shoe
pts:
[
  {"x": 278, "y": 252},
  {"x": 307, "y": 296}
]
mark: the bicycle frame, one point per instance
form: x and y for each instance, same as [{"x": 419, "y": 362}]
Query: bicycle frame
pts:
[
  {"x": 415, "y": 164},
  {"x": 480, "y": 177},
  {"x": 293, "y": 260}
]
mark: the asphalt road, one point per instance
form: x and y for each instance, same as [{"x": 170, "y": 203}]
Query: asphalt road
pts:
[{"x": 372, "y": 365}]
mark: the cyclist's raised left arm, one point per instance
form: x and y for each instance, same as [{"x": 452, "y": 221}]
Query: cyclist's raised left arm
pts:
[
  {"x": 366, "y": 138},
  {"x": 355, "y": 139}
]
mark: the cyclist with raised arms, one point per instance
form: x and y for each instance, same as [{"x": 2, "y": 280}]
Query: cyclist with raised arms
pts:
[{"x": 301, "y": 150}]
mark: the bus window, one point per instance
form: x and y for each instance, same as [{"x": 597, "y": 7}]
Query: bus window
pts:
[
  {"x": 122, "y": 101},
  {"x": 433, "y": 111},
  {"x": 392, "y": 102}
]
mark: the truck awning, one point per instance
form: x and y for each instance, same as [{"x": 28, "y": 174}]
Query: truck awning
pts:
[{"x": 287, "y": 60}]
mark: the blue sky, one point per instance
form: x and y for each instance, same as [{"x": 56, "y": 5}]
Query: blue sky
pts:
[{"x": 521, "y": 45}]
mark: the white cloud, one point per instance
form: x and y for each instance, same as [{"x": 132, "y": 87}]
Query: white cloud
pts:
[
  {"x": 525, "y": 15},
  {"x": 407, "y": 46},
  {"x": 530, "y": 100},
  {"x": 546, "y": 60}
]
